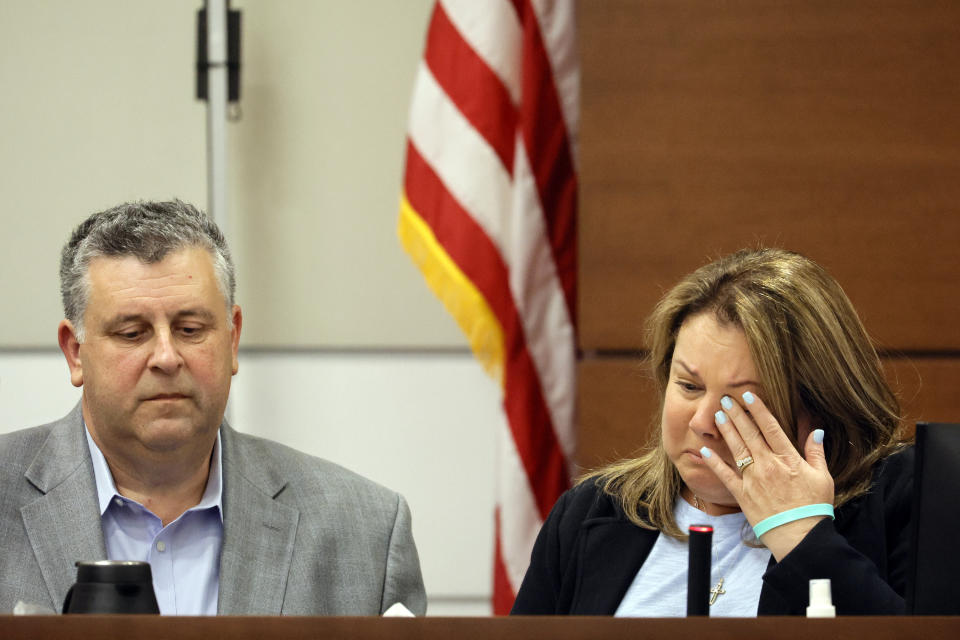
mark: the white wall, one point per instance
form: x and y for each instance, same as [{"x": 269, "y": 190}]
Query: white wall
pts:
[
  {"x": 345, "y": 353},
  {"x": 97, "y": 107}
]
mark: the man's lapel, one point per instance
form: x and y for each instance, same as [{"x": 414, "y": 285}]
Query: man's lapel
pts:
[
  {"x": 63, "y": 523},
  {"x": 258, "y": 533}
]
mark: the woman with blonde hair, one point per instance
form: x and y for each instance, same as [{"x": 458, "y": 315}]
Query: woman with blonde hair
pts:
[{"x": 776, "y": 427}]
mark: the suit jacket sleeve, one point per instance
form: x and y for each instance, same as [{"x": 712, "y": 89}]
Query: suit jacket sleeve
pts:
[{"x": 403, "y": 582}]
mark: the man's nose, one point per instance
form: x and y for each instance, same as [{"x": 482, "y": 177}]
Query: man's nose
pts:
[
  {"x": 166, "y": 356},
  {"x": 703, "y": 422}
]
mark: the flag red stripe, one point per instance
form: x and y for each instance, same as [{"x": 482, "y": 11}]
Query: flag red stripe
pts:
[
  {"x": 467, "y": 245},
  {"x": 503, "y": 595},
  {"x": 548, "y": 146},
  {"x": 469, "y": 82}
]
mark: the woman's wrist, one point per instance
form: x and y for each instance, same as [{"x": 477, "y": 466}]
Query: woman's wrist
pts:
[
  {"x": 790, "y": 515},
  {"x": 784, "y": 539}
]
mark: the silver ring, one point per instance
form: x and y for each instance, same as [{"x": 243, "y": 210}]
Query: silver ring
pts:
[{"x": 743, "y": 463}]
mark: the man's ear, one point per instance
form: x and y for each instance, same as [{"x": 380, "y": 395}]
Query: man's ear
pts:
[
  {"x": 67, "y": 337},
  {"x": 236, "y": 320}
]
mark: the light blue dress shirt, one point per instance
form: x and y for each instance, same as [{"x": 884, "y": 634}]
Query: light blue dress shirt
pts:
[{"x": 184, "y": 556}]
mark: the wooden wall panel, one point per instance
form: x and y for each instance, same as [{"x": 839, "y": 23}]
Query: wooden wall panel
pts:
[
  {"x": 616, "y": 409},
  {"x": 828, "y": 128},
  {"x": 617, "y": 404},
  {"x": 928, "y": 388}
]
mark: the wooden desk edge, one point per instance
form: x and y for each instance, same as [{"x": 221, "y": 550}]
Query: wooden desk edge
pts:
[{"x": 373, "y": 628}]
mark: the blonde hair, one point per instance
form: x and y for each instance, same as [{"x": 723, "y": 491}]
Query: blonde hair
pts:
[{"x": 813, "y": 358}]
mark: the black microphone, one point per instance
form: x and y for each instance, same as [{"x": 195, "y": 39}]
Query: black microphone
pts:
[{"x": 698, "y": 570}]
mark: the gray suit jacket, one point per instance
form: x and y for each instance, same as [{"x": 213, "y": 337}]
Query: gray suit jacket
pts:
[{"x": 302, "y": 536}]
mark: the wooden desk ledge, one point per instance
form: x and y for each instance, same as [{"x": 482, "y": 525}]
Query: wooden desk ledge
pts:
[{"x": 81, "y": 627}]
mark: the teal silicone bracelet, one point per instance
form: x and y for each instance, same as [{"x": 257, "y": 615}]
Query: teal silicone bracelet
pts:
[{"x": 790, "y": 515}]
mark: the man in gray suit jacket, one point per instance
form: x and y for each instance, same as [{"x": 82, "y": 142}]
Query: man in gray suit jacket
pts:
[{"x": 146, "y": 468}]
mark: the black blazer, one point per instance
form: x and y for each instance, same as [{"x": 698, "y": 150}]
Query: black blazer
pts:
[{"x": 587, "y": 554}]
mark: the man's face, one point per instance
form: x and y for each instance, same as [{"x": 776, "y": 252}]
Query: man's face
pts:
[{"x": 159, "y": 353}]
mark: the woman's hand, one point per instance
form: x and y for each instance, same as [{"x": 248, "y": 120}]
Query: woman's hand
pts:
[{"x": 779, "y": 477}]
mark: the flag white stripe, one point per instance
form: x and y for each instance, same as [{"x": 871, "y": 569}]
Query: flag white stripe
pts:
[
  {"x": 519, "y": 519},
  {"x": 541, "y": 304},
  {"x": 493, "y": 31}
]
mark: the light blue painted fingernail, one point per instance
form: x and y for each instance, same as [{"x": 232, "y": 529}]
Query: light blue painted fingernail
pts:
[
  {"x": 721, "y": 417},
  {"x": 748, "y": 397},
  {"x": 706, "y": 453},
  {"x": 726, "y": 403},
  {"x": 818, "y": 436}
]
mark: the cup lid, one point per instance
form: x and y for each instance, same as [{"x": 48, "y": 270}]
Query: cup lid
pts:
[{"x": 113, "y": 571}]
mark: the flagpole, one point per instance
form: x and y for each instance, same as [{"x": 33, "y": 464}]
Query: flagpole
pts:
[
  {"x": 217, "y": 112},
  {"x": 218, "y": 82}
]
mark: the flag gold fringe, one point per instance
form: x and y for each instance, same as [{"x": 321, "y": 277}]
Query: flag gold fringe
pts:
[{"x": 457, "y": 292}]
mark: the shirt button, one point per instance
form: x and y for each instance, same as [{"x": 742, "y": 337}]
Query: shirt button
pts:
[
  {"x": 161, "y": 546},
  {"x": 118, "y": 502}
]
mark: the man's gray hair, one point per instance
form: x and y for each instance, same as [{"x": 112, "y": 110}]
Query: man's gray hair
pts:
[{"x": 148, "y": 231}]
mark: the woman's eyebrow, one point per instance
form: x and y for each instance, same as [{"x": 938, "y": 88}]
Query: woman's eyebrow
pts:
[
  {"x": 690, "y": 370},
  {"x": 735, "y": 385}
]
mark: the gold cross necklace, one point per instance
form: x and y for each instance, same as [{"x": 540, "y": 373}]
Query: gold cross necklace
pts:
[{"x": 717, "y": 591}]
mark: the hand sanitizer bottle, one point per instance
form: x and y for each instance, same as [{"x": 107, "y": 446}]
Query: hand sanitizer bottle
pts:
[{"x": 821, "y": 600}]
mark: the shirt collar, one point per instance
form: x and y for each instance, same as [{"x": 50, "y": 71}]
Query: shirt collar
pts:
[{"x": 107, "y": 490}]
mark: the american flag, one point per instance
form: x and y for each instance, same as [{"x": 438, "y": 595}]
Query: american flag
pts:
[{"x": 489, "y": 214}]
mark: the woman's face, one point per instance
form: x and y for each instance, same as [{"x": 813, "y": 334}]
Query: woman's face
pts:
[{"x": 710, "y": 360}]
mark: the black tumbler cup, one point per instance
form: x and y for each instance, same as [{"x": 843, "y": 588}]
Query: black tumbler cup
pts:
[{"x": 112, "y": 586}]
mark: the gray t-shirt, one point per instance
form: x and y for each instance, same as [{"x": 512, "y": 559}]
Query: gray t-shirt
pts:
[{"x": 660, "y": 587}]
